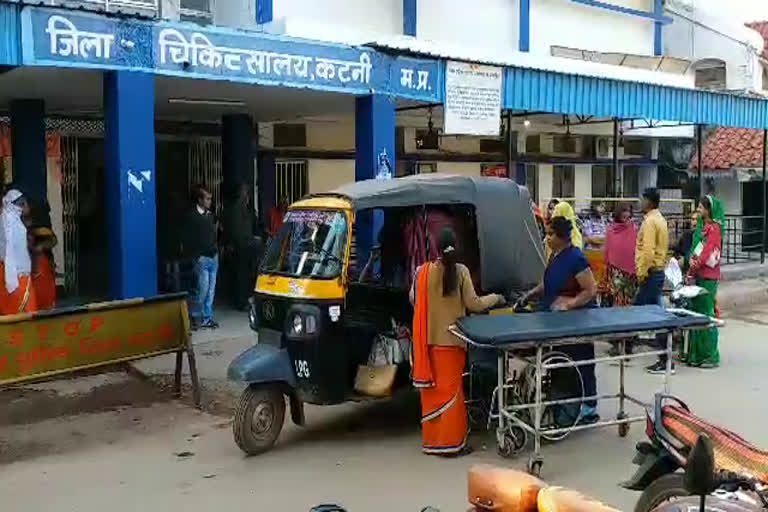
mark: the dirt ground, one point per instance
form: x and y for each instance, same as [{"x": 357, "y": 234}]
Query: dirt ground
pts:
[{"x": 119, "y": 443}]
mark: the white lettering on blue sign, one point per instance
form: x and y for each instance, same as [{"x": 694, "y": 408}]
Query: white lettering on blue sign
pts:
[
  {"x": 422, "y": 79},
  {"x": 66, "y": 40},
  {"x": 200, "y": 52}
]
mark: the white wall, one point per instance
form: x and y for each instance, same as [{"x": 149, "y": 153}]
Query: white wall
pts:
[
  {"x": 704, "y": 33},
  {"x": 462, "y": 168},
  {"x": 346, "y": 21},
  {"x": 326, "y": 175},
  {"x": 562, "y": 23},
  {"x": 485, "y": 24},
  {"x": 729, "y": 192}
]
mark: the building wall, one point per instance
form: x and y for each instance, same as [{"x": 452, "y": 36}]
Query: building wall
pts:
[
  {"x": 703, "y": 33},
  {"x": 326, "y": 175},
  {"x": 563, "y": 23},
  {"x": 346, "y": 21},
  {"x": 495, "y": 25}
]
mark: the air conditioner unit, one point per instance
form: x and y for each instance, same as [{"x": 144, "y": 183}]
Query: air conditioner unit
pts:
[{"x": 604, "y": 147}]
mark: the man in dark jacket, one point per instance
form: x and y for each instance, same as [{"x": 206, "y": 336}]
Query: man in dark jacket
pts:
[
  {"x": 245, "y": 246},
  {"x": 199, "y": 246}
]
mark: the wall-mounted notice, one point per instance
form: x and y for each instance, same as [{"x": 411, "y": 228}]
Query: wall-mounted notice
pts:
[{"x": 472, "y": 99}]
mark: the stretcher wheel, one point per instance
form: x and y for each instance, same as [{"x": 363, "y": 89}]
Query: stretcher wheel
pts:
[
  {"x": 512, "y": 442},
  {"x": 534, "y": 466},
  {"x": 623, "y": 427}
]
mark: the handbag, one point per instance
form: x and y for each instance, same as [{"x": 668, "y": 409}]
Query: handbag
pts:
[{"x": 375, "y": 380}]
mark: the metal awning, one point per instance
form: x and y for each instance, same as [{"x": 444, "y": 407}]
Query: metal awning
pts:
[{"x": 534, "y": 83}]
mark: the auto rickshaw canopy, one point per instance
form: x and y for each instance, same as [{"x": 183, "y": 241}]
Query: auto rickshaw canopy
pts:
[{"x": 511, "y": 252}]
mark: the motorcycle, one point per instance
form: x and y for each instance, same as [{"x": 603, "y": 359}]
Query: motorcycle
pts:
[
  {"x": 672, "y": 434},
  {"x": 712, "y": 490}
]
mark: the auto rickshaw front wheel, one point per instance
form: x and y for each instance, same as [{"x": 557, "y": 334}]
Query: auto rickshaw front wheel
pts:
[{"x": 259, "y": 417}]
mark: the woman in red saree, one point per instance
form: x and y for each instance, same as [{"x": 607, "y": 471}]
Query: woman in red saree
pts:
[
  {"x": 17, "y": 295},
  {"x": 443, "y": 293}
]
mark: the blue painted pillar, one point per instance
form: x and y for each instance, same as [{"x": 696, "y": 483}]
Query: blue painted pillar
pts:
[
  {"x": 658, "y": 29},
  {"x": 409, "y": 17},
  {"x": 375, "y": 152},
  {"x": 264, "y": 11},
  {"x": 28, "y": 148},
  {"x": 525, "y": 26},
  {"x": 129, "y": 181},
  {"x": 237, "y": 153}
]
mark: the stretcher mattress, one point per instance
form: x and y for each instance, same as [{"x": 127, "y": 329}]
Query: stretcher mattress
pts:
[{"x": 547, "y": 326}]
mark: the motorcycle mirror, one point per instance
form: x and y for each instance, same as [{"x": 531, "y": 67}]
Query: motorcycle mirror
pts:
[{"x": 699, "y": 479}]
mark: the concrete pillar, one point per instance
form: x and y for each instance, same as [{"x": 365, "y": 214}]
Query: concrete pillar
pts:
[
  {"x": 237, "y": 153},
  {"x": 29, "y": 149},
  {"x": 266, "y": 186},
  {"x": 129, "y": 180},
  {"x": 546, "y": 172},
  {"x": 375, "y": 155},
  {"x": 582, "y": 174}
]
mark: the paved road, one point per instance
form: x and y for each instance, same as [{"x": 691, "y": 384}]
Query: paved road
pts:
[{"x": 166, "y": 456}]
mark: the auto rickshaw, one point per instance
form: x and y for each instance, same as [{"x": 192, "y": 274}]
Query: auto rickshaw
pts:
[{"x": 316, "y": 320}]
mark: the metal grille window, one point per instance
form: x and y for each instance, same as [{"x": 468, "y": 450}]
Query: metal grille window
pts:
[
  {"x": 196, "y": 11},
  {"x": 291, "y": 180},
  {"x": 69, "y": 199},
  {"x": 603, "y": 181},
  {"x": 205, "y": 168},
  {"x": 631, "y": 181},
  {"x": 563, "y": 181}
]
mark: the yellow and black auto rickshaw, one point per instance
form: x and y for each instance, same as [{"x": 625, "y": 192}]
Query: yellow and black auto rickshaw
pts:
[{"x": 326, "y": 288}]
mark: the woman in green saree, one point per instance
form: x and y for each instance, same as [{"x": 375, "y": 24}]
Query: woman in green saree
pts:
[{"x": 704, "y": 271}]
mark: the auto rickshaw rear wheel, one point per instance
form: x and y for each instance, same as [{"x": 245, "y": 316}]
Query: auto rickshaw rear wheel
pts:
[{"x": 259, "y": 417}]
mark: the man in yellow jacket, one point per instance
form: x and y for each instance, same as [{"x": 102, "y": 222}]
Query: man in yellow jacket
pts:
[{"x": 651, "y": 258}]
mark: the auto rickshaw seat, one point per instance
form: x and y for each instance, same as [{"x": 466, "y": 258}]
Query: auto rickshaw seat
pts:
[{"x": 732, "y": 452}]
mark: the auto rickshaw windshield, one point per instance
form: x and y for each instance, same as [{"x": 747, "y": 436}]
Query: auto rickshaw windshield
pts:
[{"x": 311, "y": 243}]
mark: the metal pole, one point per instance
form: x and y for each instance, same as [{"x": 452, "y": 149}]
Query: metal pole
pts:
[
  {"x": 699, "y": 144},
  {"x": 508, "y": 147},
  {"x": 764, "y": 198},
  {"x": 616, "y": 179}
]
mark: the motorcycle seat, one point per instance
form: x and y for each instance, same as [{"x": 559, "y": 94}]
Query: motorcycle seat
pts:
[{"x": 732, "y": 452}]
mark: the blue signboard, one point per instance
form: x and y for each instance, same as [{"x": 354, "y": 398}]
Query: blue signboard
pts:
[{"x": 63, "y": 38}]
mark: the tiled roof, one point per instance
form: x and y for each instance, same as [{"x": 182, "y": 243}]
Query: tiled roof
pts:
[
  {"x": 762, "y": 28},
  {"x": 731, "y": 148}
]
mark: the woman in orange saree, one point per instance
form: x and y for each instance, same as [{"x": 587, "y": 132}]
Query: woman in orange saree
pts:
[
  {"x": 443, "y": 293},
  {"x": 17, "y": 295}
]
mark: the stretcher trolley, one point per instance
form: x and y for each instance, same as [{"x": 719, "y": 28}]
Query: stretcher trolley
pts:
[{"x": 533, "y": 363}]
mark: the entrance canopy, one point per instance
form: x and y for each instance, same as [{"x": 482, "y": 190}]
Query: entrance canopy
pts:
[{"x": 534, "y": 83}]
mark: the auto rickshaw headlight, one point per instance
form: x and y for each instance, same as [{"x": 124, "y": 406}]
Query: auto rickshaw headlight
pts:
[
  {"x": 297, "y": 326},
  {"x": 311, "y": 324}
]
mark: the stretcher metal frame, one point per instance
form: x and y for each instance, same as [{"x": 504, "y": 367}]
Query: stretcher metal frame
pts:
[{"x": 508, "y": 416}]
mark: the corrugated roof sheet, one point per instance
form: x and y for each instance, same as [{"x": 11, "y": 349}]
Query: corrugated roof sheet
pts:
[
  {"x": 542, "y": 91},
  {"x": 10, "y": 35},
  {"x": 537, "y": 83},
  {"x": 492, "y": 56}
]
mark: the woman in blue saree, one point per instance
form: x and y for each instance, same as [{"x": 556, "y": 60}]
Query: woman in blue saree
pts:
[{"x": 568, "y": 284}]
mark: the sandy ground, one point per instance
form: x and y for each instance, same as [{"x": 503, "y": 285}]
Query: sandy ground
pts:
[{"x": 147, "y": 452}]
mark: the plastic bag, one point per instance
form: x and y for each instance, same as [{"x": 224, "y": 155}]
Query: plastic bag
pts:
[
  {"x": 391, "y": 348},
  {"x": 673, "y": 273}
]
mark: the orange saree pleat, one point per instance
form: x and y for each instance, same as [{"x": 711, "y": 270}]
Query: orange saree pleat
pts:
[{"x": 443, "y": 413}]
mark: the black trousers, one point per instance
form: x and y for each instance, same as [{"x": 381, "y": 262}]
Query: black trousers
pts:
[
  {"x": 245, "y": 263},
  {"x": 583, "y": 352}
]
